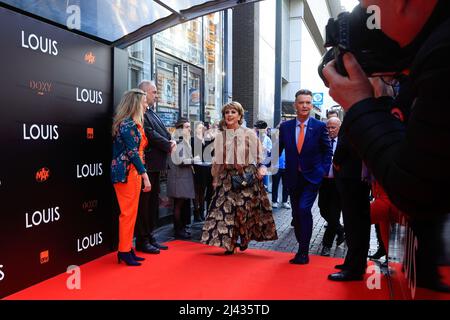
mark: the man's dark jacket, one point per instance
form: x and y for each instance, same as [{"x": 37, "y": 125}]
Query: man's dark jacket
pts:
[
  {"x": 346, "y": 159},
  {"x": 158, "y": 147},
  {"x": 412, "y": 162}
]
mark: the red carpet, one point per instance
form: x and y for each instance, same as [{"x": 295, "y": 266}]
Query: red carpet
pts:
[
  {"x": 194, "y": 271},
  {"x": 402, "y": 291}
]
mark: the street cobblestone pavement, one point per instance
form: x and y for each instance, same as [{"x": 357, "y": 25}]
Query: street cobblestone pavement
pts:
[{"x": 286, "y": 238}]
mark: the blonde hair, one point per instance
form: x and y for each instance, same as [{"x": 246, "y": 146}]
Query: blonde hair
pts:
[
  {"x": 232, "y": 105},
  {"x": 129, "y": 107}
]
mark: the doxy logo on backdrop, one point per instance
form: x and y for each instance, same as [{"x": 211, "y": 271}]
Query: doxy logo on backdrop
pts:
[
  {"x": 43, "y": 174},
  {"x": 90, "y": 206},
  {"x": 41, "y": 87}
]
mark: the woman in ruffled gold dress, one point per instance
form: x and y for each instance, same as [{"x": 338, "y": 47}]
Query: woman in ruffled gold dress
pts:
[{"x": 242, "y": 214}]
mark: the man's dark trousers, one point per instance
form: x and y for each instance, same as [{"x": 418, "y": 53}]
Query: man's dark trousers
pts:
[
  {"x": 302, "y": 200},
  {"x": 148, "y": 203},
  {"x": 356, "y": 213},
  {"x": 330, "y": 209}
]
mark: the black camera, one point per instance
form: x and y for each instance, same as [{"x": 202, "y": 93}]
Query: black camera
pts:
[{"x": 377, "y": 54}]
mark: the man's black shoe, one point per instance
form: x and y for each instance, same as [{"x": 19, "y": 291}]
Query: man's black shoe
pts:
[
  {"x": 300, "y": 259},
  {"x": 156, "y": 244},
  {"x": 182, "y": 234},
  {"x": 345, "y": 275},
  {"x": 159, "y": 246},
  {"x": 325, "y": 252},
  {"x": 242, "y": 247},
  {"x": 147, "y": 248}
]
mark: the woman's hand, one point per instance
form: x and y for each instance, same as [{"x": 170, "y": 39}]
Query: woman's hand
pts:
[
  {"x": 147, "y": 184},
  {"x": 261, "y": 172}
]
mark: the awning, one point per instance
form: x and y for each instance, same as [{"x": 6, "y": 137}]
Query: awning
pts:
[{"x": 119, "y": 22}]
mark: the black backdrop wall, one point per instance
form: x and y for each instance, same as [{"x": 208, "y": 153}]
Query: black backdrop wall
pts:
[{"x": 55, "y": 118}]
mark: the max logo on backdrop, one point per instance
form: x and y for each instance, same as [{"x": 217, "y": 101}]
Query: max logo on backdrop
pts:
[
  {"x": 89, "y": 58},
  {"x": 43, "y": 174}
]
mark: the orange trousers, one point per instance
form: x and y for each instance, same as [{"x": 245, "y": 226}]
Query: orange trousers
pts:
[{"x": 128, "y": 197}]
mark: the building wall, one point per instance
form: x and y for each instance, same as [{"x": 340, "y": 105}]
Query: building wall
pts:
[
  {"x": 294, "y": 42},
  {"x": 303, "y": 31},
  {"x": 245, "y": 59},
  {"x": 285, "y": 21},
  {"x": 321, "y": 13},
  {"x": 266, "y": 69},
  {"x": 303, "y": 44}
]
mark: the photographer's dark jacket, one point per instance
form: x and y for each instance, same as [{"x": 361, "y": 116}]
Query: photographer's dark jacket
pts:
[
  {"x": 347, "y": 160},
  {"x": 412, "y": 161},
  {"x": 158, "y": 142}
]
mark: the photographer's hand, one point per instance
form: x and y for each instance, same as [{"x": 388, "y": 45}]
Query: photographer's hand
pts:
[{"x": 348, "y": 90}]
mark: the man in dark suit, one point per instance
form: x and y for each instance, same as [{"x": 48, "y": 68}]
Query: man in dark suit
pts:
[
  {"x": 354, "y": 189},
  {"x": 159, "y": 147},
  {"x": 308, "y": 158},
  {"x": 329, "y": 199}
]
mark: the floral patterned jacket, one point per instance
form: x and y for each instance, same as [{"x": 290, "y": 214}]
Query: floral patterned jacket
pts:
[{"x": 126, "y": 151}]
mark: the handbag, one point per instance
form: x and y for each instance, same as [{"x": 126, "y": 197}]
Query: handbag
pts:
[{"x": 240, "y": 182}]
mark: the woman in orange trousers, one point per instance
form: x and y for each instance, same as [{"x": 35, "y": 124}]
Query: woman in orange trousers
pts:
[{"x": 127, "y": 168}]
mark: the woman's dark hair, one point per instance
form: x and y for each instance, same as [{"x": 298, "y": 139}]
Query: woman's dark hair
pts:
[{"x": 180, "y": 123}]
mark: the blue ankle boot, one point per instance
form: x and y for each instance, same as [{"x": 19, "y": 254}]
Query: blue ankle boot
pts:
[
  {"x": 135, "y": 257},
  {"x": 127, "y": 258}
]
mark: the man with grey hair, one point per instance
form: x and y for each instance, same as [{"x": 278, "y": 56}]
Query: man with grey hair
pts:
[
  {"x": 329, "y": 199},
  {"x": 156, "y": 153}
]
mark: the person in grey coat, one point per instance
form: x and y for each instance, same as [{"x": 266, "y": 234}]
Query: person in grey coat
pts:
[{"x": 180, "y": 177}]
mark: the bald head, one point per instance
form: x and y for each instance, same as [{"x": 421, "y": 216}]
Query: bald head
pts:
[
  {"x": 149, "y": 88},
  {"x": 333, "y": 126}
]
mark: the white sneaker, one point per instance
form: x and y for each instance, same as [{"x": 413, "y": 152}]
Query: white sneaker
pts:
[
  {"x": 275, "y": 205},
  {"x": 286, "y": 205}
]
